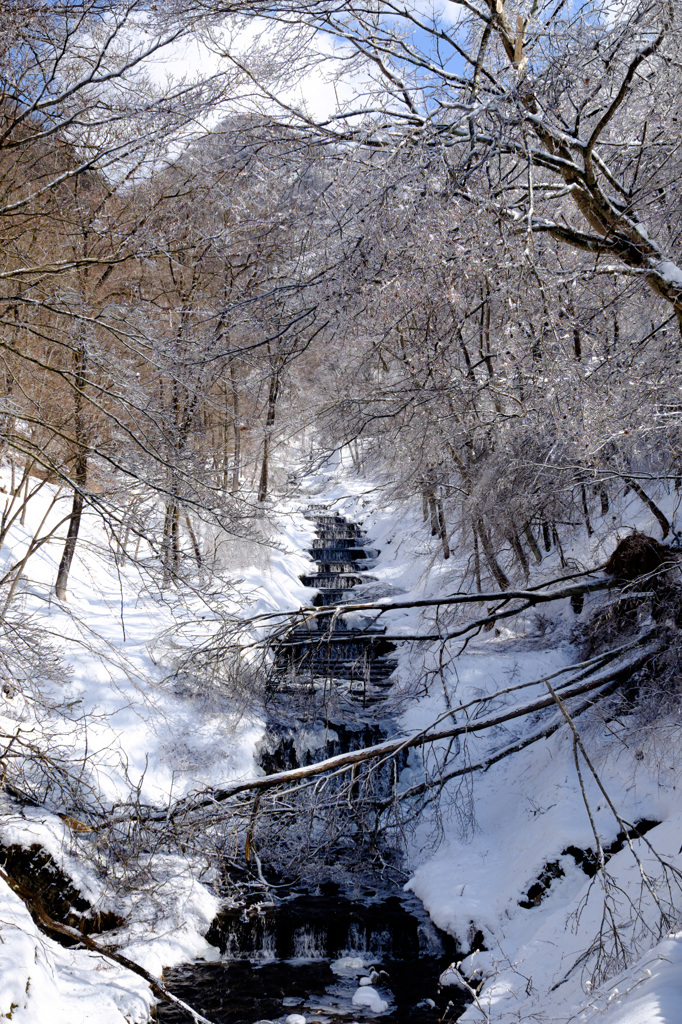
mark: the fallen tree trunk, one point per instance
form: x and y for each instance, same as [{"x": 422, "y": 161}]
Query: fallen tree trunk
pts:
[
  {"x": 531, "y": 595},
  {"x": 392, "y": 747},
  {"x": 529, "y": 598}
]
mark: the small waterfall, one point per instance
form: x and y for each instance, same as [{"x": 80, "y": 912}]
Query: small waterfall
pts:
[{"x": 323, "y": 927}]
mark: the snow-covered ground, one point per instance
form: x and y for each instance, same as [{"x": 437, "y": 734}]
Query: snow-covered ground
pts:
[{"x": 496, "y": 831}]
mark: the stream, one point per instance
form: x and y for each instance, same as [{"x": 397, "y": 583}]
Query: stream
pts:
[{"x": 346, "y": 945}]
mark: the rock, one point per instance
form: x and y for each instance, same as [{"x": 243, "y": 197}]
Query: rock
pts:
[{"x": 348, "y": 966}]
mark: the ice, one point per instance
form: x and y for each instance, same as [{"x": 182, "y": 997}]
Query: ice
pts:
[{"x": 348, "y": 966}]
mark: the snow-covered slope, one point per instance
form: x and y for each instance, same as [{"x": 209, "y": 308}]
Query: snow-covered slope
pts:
[
  {"x": 41, "y": 981},
  {"x": 110, "y": 709},
  {"x": 498, "y": 832}
]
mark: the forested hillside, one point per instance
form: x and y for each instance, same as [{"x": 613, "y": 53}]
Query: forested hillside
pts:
[{"x": 340, "y": 477}]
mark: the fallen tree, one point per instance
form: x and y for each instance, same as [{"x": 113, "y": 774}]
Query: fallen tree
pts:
[{"x": 390, "y": 748}]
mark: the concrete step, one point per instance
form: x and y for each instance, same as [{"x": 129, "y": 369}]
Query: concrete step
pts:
[
  {"x": 334, "y": 580},
  {"x": 333, "y": 671},
  {"x": 335, "y": 554}
]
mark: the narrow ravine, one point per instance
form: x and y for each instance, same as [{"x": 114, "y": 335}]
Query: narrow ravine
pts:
[{"x": 345, "y": 943}]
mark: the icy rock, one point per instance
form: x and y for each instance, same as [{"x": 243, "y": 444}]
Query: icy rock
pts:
[
  {"x": 368, "y": 996},
  {"x": 348, "y": 966},
  {"x": 292, "y": 1001},
  {"x": 295, "y": 1018},
  {"x": 365, "y": 981},
  {"x": 473, "y": 968}
]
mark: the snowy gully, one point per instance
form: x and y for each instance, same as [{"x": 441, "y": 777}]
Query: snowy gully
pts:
[{"x": 343, "y": 943}]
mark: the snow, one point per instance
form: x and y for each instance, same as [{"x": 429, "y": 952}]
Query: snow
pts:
[
  {"x": 499, "y": 831},
  {"x": 41, "y": 981},
  {"x": 669, "y": 271},
  {"x": 368, "y": 996},
  {"x": 119, "y": 709},
  {"x": 472, "y": 969},
  {"x": 651, "y": 993}
]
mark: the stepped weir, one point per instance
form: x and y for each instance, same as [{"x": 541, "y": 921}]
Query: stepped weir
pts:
[
  {"x": 354, "y": 660},
  {"x": 342, "y": 946}
]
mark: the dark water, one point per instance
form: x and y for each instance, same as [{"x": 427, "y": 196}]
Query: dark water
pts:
[
  {"x": 245, "y": 992},
  {"x": 307, "y": 957}
]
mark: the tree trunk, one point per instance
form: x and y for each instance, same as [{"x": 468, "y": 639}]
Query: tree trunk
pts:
[
  {"x": 170, "y": 548},
  {"x": 263, "y": 481},
  {"x": 269, "y": 423},
  {"x": 477, "y": 563},
  {"x": 236, "y": 424},
  {"x": 175, "y": 537},
  {"x": 546, "y": 535},
  {"x": 80, "y": 476},
  {"x": 27, "y": 484},
  {"x": 224, "y": 474},
  {"x": 355, "y": 456},
  {"x": 559, "y": 547},
  {"x": 532, "y": 543},
  {"x": 519, "y": 552},
  {"x": 442, "y": 530},
  {"x": 577, "y": 346},
  {"x": 586, "y": 511},
  {"x": 434, "y": 514},
  {"x": 490, "y": 557},
  {"x": 80, "y": 473},
  {"x": 651, "y": 505},
  {"x": 195, "y": 542}
]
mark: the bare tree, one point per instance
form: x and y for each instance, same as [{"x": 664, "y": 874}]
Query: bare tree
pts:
[{"x": 555, "y": 120}]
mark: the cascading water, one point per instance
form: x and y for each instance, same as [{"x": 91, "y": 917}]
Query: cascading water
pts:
[{"x": 341, "y": 947}]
